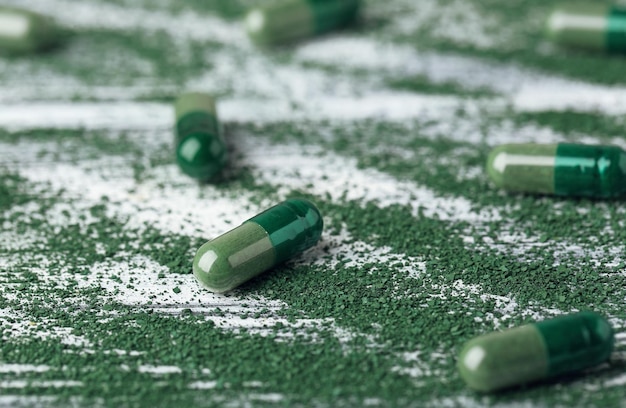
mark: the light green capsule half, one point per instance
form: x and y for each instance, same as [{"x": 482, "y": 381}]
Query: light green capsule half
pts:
[
  {"x": 233, "y": 258},
  {"x": 194, "y": 102},
  {"x": 523, "y": 167},
  {"x": 26, "y": 31},
  {"x": 501, "y": 359},
  {"x": 581, "y": 25},
  {"x": 280, "y": 22}
]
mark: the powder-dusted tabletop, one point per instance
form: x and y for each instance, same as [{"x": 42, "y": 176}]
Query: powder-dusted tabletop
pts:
[{"x": 385, "y": 126}]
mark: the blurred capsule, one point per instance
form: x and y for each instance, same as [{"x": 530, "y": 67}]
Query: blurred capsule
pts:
[
  {"x": 565, "y": 169},
  {"x": 26, "y": 31},
  {"x": 593, "y": 26},
  {"x": 285, "y": 21},
  {"x": 200, "y": 151}
]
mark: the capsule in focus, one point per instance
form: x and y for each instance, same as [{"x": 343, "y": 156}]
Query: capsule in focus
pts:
[
  {"x": 537, "y": 351},
  {"x": 26, "y": 31},
  {"x": 257, "y": 245},
  {"x": 285, "y": 21},
  {"x": 200, "y": 150},
  {"x": 594, "y": 26},
  {"x": 564, "y": 169}
]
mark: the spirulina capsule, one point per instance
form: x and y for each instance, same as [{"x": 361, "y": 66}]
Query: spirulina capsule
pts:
[
  {"x": 285, "y": 21},
  {"x": 26, "y": 31},
  {"x": 257, "y": 245},
  {"x": 563, "y": 169},
  {"x": 589, "y": 25},
  {"x": 200, "y": 150},
  {"x": 565, "y": 344}
]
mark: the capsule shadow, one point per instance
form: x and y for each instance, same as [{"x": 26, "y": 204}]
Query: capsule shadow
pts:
[{"x": 602, "y": 373}]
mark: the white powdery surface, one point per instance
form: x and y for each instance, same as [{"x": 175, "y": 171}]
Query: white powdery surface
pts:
[
  {"x": 182, "y": 26},
  {"x": 23, "y": 368},
  {"x": 346, "y": 252},
  {"x": 528, "y": 90},
  {"x": 325, "y": 174},
  {"x": 16, "y": 324},
  {"x": 616, "y": 382},
  {"x": 135, "y": 281},
  {"x": 39, "y": 384},
  {"x": 316, "y": 93},
  {"x": 474, "y": 401},
  {"x": 159, "y": 370},
  {"x": 384, "y": 105},
  {"x": 505, "y": 307},
  {"x": 513, "y": 240},
  {"x": 419, "y": 367},
  {"x": 458, "y": 21},
  {"x": 288, "y": 167},
  {"x": 69, "y": 115}
]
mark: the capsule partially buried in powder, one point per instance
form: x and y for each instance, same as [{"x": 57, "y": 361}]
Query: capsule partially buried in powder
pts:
[
  {"x": 200, "y": 150},
  {"x": 537, "y": 351},
  {"x": 23, "y": 31},
  {"x": 257, "y": 245},
  {"x": 285, "y": 21},
  {"x": 564, "y": 169},
  {"x": 590, "y": 25}
]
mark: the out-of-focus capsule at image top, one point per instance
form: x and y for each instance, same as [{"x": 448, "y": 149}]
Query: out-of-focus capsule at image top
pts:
[
  {"x": 23, "y": 31},
  {"x": 562, "y": 345},
  {"x": 565, "y": 169},
  {"x": 285, "y": 21},
  {"x": 590, "y": 25}
]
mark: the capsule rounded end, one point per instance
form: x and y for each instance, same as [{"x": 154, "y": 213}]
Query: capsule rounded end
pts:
[
  {"x": 255, "y": 24},
  {"x": 473, "y": 366},
  {"x": 212, "y": 270},
  {"x": 25, "y": 31},
  {"x": 310, "y": 214},
  {"x": 496, "y": 164},
  {"x": 280, "y": 22},
  {"x": 554, "y": 25},
  {"x": 201, "y": 155},
  {"x": 601, "y": 334}
]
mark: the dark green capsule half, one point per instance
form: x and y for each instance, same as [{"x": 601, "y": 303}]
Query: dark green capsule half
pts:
[
  {"x": 563, "y": 169},
  {"x": 565, "y": 344},
  {"x": 589, "y": 25},
  {"x": 26, "y": 31},
  {"x": 200, "y": 150},
  {"x": 285, "y": 21},
  {"x": 257, "y": 245}
]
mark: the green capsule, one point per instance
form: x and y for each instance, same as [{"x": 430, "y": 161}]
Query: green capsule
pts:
[
  {"x": 565, "y": 344},
  {"x": 564, "y": 169},
  {"x": 258, "y": 244},
  {"x": 285, "y": 21},
  {"x": 26, "y": 31},
  {"x": 200, "y": 150},
  {"x": 594, "y": 26}
]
